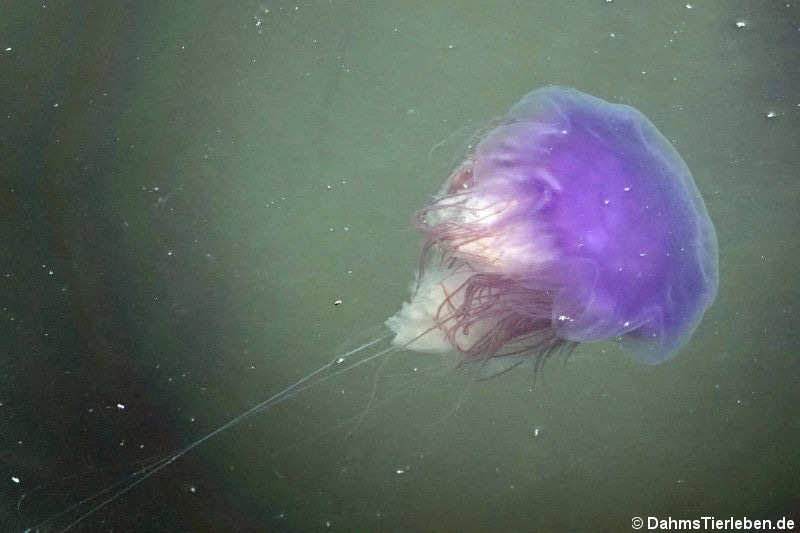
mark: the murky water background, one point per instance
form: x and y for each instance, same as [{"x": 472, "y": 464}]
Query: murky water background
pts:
[{"x": 187, "y": 189}]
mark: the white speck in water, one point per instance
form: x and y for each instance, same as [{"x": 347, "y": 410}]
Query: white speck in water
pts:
[
  {"x": 15, "y": 479},
  {"x": 772, "y": 114},
  {"x": 120, "y": 406},
  {"x": 741, "y": 24}
]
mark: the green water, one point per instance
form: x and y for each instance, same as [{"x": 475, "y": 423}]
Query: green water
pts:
[{"x": 188, "y": 188}]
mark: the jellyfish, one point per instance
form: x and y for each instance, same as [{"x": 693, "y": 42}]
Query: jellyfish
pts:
[{"x": 572, "y": 221}]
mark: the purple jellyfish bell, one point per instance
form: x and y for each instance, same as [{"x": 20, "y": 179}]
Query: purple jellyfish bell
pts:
[{"x": 574, "y": 220}]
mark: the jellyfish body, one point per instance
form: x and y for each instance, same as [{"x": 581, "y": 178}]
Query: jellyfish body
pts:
[{"x": 574, "y": 220}]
